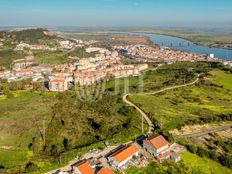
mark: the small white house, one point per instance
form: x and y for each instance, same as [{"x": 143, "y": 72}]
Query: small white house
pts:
[{"x": 156, "y": 145}]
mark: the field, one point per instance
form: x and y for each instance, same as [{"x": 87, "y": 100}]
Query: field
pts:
[
  {"x": 203, "y": 165},
  {"x": 222, "y": 78},
  {"x": 108, "y": 38},
  {"x": 176, "y": 106},
  {"x": 20, "y": 119},
  {"x": 50, "y": 57}
]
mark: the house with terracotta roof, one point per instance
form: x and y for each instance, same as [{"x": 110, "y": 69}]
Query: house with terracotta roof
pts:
[
  {"x": 122, "y": 156},
  {"x": 83, "y": 167},
  {"x": 58, "y": 84},
  {"x": 105, "y": 170},
  {"x": 158, "y": 146}
]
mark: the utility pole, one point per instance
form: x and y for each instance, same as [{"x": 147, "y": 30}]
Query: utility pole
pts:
[
  {"x": 126, "y": 86},
  {"x": 161, "y": 124},
  {"x": 184, "y": 78},
  {"x": 142, "y": 124},
  {"x": 60, "y": 159},
  {"x": 44, "y": 131}
]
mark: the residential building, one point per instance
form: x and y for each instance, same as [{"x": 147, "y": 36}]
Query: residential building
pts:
[
  {"x": 105, "y": 170},
  {"x": 88, "y": 78},
  {"x": 66, "y": 44},
  {"x": 83, "y": 167},
  {"x": 58, "y": 84},
  {"x": 121, "y": 157},
  {"x": 21, "y": 63},
  {"x": 158, "y": 146}
]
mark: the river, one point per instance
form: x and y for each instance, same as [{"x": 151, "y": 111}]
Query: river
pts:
[{"x": 185, "y": 45}]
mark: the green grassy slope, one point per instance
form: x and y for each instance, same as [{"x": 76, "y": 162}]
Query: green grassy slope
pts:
[
  {"x": 20, "y": 119},
  {"x": 176, "y": 106},
  {"x": 222, "y": 78},
  {"x": 203, "y": 165}
]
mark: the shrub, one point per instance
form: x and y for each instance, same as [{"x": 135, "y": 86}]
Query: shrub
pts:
[
  {"x": 31, "y": 167},
  {"x": 192, "y": 148},
  {"x": 226, "y": 160},
  {"x": 203, "y": 152}
]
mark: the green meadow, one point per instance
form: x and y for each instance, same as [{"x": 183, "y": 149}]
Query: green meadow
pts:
[
  {"x": 222, "y": 78},
  {"x": 203, "y": 165},
  {"x": 202, "y": 100},
  {"x": 20, "y": 119}
]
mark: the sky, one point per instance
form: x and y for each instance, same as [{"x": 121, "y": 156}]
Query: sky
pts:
[{"x": 116, "y": 13}]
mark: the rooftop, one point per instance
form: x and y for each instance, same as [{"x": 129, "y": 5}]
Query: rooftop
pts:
[
  {"x": 105, "y": 171},
  {"x": 85, "y": 168},
  {"x": 125, "y": 153},
  {"x": 157, "y": 141}
]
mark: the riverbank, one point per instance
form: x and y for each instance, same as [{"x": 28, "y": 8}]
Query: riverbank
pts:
[
  {"x": 217, "y": 41},
  {"x": 180, "y": 44}
]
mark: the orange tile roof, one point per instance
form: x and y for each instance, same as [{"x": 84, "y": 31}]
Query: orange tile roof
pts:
[
  {"x": 125, "y": 153},
  {"x": 157, "y": 142},
  {"x": 105, "y": 171},
  {"x": 85, "y": 168}
]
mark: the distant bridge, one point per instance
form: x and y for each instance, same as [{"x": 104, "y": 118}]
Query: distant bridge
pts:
[{"x": 179, "y": 44}]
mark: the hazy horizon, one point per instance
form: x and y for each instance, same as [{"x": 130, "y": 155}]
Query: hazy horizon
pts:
[{"x": 117, "y": 13}]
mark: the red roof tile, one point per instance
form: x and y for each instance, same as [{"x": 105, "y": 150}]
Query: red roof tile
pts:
[
  {"x": 157, "y": 142},
  {"x": 105, "y": 171},
  {"x": 85, "y": 168},
  {"x": 125, "y": 153}
]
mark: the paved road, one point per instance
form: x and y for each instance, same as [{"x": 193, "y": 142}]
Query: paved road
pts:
[
  {"x": 200, "y": 134},
  {"x": 144, "y": 115}
]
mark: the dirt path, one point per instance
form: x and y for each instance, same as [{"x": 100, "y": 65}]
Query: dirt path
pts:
[{"x": 144, "y": 115}]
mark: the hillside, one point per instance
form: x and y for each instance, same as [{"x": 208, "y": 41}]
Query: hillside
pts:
[
  {"x": 30, "y": 36},
  {"x": 40, "y": 37},
  {"x": 71, "y": 124}
]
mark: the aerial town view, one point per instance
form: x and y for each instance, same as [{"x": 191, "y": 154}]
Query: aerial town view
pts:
[{"x": 116, "y": 87}]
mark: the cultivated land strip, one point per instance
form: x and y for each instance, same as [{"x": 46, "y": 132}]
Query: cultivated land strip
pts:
[{"x": 203, "y": 133}]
